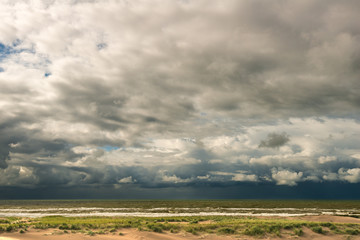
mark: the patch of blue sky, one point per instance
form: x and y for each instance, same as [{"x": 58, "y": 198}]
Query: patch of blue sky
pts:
[
  {"x": 8, "y": 50},
  {"x": 13, "y": 50},
  {"x": 5, "y": 51},
  {"x": 109, "y": 148}
]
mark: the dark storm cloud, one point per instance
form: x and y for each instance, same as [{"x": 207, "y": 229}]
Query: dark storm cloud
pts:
[
  {"x": 4, "y": 155},
  {"x": 275, "y": 140},
  {"x": 9, "y": 134},
  {"x": 259, "y": 72}
]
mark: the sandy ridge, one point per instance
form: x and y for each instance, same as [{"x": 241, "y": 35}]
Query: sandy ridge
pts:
[{"x": 134, "y": 234}]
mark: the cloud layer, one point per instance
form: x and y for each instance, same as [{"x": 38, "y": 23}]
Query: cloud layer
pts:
[{"x": 179, "y": 93}]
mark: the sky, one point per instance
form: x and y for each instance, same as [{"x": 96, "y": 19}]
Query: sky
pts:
[{"x": 179, "y": 99}]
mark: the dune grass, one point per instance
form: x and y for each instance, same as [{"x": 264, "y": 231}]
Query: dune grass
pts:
[{"x": 221, "y": 225}]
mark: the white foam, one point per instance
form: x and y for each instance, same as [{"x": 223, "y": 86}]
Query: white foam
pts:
[{"x": 144, "y": 214}]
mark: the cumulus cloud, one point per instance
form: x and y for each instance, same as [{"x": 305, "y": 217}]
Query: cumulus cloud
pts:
[
  {"x": 286, "y": 177},
  {"x": 241, "y": 177},
  {"x": 351, "y": 175},
  {"x": 204, "y": 92},
  {"x": 127, "y": 180},
  {"x": 174, "y": 179}
]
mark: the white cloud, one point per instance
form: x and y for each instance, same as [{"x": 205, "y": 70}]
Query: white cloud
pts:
[
  {"x": 356, "y": 155},
  {"x": 14, "y": 145},
  {"x": 222, "y": 173},
  {"x": 286, "y": 177},
  {"x": 206, "y": 177},
  {"x": 127, "y": 180},
  {"x": 174, "y": 179},
  {"x": 351, "y": 175},
  {"x": 240, "y": 177}
]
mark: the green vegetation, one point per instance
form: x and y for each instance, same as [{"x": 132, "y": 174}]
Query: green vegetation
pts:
[
  {"x": 254, "y": 230},
  {"x": 222, "y": 225},
  {"x": 227, "y": 230},
  {"x": 317, "y": 229},
  {"x": 195, "y": 225},
  {"x": 4, "y": 221},
  {"x": 299, "y": 232}
]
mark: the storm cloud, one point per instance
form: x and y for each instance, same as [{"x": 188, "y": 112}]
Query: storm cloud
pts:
[
  {"x": 274, "y": 140},
  {"x": 179, "y": 94}
]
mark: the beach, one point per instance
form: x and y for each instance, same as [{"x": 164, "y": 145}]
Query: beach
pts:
[{"x": 132, "y": 233}]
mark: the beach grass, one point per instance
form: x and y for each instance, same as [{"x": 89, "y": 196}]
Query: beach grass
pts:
[{"x": 222, "y": 225}]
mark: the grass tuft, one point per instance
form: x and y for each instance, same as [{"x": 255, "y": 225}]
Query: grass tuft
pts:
[
  {"x": 352, "y": 231},
  {"x": 298, "y": 232},
  {"x": 254, "y": 231},
  {"x": 318, "y": 229},
  {"x": 226, "y": 230}
]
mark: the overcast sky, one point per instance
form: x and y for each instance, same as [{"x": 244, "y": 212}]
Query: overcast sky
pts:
[{"x": 186, "y": 98}]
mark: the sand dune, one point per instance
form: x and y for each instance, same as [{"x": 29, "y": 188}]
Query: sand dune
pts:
[{"x": 134, "y": 234}]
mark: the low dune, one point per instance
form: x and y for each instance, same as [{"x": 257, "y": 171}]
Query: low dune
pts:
[{"x": 130, "y": 233}]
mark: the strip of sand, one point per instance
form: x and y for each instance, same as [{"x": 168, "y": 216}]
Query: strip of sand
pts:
[{"x": 131, "y": 233}]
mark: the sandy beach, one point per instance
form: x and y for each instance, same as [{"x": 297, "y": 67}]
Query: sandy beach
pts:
[{"x": 130, "y": 233}]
